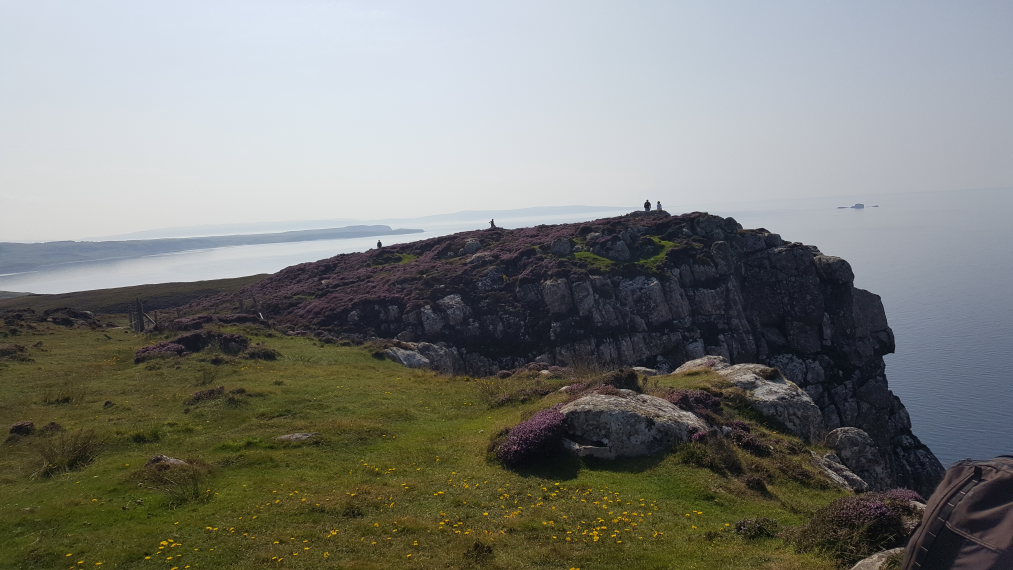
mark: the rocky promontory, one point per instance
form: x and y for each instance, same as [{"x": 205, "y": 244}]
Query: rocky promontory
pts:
[{"x": 643, "y": 289}]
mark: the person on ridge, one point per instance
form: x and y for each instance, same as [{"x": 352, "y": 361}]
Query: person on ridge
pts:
[
  {"x": 492, "y": 224},
  {"x": 658, "y": 207},
  {"x": 379, "y": 245},
  {"x": 647, "y": 205}
]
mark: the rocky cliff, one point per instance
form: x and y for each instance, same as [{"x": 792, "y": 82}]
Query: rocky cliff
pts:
[{"x": 642, "y": 289}]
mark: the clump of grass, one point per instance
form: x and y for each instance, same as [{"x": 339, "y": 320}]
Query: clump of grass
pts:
[
  {"x": 261, "y": 352},
  {"x": 479, "y": 552},
  {"x": 152, "y": 435},
  {"x": 181, "y": 481},
  {"x": 714, "y": 453},
  {"x": 497, "y": 392},
  {"x": 753, "y": 529},
  {"x": 65, "y": 393},
  {"x": 66, "y": 451}
]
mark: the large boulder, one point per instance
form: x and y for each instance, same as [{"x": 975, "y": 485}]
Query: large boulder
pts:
[
  {"x": 626, "y": 425},
  {"x": 859, "y": 452},
  {"x": 771, "y": 394}
]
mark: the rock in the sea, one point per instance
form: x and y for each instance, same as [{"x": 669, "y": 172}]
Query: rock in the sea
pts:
[
  {"x": 859, "y": 452},
  {"x": 626, "y": 425},
  {"x": 877, "y": 560}
]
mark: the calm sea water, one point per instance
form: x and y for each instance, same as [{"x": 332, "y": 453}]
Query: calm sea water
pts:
[{"x": 942, "y": 263}]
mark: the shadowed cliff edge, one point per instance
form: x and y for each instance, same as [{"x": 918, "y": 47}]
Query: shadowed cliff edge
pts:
[{"x": 641, "y": 289}]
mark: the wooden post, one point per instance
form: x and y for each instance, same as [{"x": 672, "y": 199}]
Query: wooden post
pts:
[{"x": 139, "y": 321}]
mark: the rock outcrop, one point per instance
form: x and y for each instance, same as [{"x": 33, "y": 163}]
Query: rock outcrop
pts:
[
  {"x": 627, "y": 424},
  {"x": 858, "y": 451},
  {"x": 644, "y": 289},
  {"x": 771, "y": 394}
]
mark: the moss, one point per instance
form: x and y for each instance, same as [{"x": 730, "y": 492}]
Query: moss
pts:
[
  {"x": 656, "y": 261},
  {"x": 594, "y": 261}
]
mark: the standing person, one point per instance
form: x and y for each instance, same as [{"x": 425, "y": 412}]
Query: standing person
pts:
[
  {"x": 647, "y": 205},
  {"x": 658, "y": 207},
  {"x": 379, "y": 245}
]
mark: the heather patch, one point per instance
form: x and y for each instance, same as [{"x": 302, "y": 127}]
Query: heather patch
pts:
[
  {"x": 532, "y": 439},
  {"x": 700, "y": 402},
  {"x": 852, "y": 528},
  {"x": 227, "y": 343}
]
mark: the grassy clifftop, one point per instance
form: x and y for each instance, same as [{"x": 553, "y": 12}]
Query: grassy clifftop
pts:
[{"x": 397, "y": 477}]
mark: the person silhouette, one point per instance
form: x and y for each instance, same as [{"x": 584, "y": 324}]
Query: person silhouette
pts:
[
  {"x": 647, "y": 205},
  {"x": 658, "y": 207},
  {"x": 379, "y": 245},
  {"x": 492, "y": 224}
]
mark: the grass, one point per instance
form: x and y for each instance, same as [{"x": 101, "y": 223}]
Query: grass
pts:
[
  {"x": 655, "y": 262},
  {"x": 398, "y": 476},
  {"x": 594, "y": 261}
]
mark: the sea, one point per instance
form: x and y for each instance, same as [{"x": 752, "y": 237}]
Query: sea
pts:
[{"x": 941, "y": 261}]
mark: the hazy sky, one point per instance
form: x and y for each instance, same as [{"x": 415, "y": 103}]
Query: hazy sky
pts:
[{"x": 118, "y": 116}]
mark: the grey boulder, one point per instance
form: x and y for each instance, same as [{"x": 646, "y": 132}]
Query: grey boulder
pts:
[{"x": 626, "y": 425}]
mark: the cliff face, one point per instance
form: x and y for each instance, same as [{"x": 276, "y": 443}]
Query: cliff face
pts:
[{"x": 642, "y": 289}]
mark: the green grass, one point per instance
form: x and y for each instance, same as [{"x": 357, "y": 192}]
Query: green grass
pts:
[
  {"x": 120, "y": 299},
  {"x": 654, "y": 262},
  {"x": 398, "y": 477},
  {"x": 594, "y": 261}
]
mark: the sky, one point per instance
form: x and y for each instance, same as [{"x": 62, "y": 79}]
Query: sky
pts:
[{"x": 120, "y": 116}]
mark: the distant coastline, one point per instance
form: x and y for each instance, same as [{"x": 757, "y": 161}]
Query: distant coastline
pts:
[{"x": 22, "y": 257}]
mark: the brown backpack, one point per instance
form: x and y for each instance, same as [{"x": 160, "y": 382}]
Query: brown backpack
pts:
[{"x": 968, "y": 521}]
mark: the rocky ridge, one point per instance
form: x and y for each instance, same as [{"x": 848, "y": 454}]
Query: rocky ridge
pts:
[{"x": 643, "y": 289}]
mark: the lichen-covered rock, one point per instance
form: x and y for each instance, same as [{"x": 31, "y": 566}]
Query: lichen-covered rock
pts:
[
  {"x": 626, "y": 425},
  {"x": 770, "y": 394},
  {"x": 164, "y": 461},
  {"x": 859, "y": 452},
  {"x": 839, "y": 473},
  {"x": 409, "y": 358},
  {"x": 877, "y": 560},
  {"x": 776, "y": 397}
]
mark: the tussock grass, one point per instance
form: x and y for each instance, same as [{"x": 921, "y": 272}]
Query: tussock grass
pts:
[{"x": 65, "y": 451}]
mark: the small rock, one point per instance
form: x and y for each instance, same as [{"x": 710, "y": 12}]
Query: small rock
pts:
[
  {"x": 108, "y": 404},
  {"x": 164, "y": 461},
  {"x": 644, "y": 371},
  {"x": 876, "y": 561},
  {"x": 299, "y": 436},
  {"x": 23, "y": 428}
]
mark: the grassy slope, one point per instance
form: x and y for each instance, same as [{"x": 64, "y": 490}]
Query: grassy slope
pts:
[
  {"x": 400, "y": 478},
  {"x": 119, "y": 299}
]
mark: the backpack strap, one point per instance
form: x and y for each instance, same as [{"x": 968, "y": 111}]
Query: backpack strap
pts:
[{"x": 941, "y": 517}]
